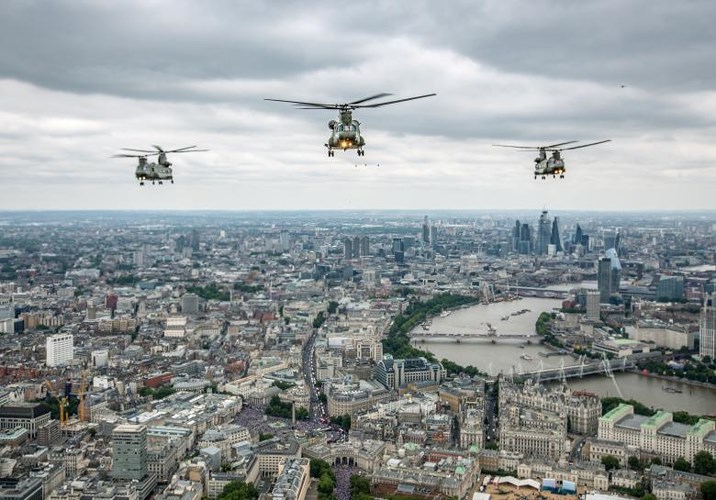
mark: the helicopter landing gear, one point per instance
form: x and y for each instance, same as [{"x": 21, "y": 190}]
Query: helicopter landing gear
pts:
[
  {"x": 543, "y": 177},
  {"x": 535, "y": 177},
  {"x": 331, "y": 153},
  {"x": 361, "y": 152},
  {"x": 561, "y": 176},
  {"x": 141, "y": 183},
  {"x": 153, "y": 182},
  {"x": 172, "y": 181},
  {"x": 160, "y": 183}
]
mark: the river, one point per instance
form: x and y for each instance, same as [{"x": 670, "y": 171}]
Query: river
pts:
[{"x": 507, "y": 357}]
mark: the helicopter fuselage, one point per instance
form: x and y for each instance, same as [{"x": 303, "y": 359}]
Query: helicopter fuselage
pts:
[
  {"x": 154, "y": 172},
  {"x": 345, "y": 136},
  {"x": 554, "y": 165}
]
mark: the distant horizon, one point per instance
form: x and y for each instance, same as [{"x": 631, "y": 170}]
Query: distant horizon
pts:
[{"x": 358, "y": 210}]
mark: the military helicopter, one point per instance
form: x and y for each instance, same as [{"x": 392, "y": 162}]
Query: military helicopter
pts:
[
  {"x": 553, "y": 165},
  {"x": 161, "y": 170},
  {"x": 346, "y": 131}
]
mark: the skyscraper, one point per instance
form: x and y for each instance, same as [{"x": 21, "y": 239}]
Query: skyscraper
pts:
[
  {"x": 604, "y": 270},
  {"x": 608, "y": 275},
  {"x": 356, "y": 247},
  {"x": 578, "y": 234},
  {"x": 544, "y": 233},
  {"x": 525, "y": 244},
  {"x": 555, "y": 238},
  {"x": 707, "y": 325},
  {"x": 426, "y": 230},
  {"x": 195, "y": 240},
  {"x": 347, "y": 248},
  {"x": 59, "y": 349},
  {"x": 364, "y": 246},
  {"x": 516, "y": 237},
  {"x": 433, "y": 235},
  {"x": 129, "y": 452},
  {"x": 284, "y": 240}
]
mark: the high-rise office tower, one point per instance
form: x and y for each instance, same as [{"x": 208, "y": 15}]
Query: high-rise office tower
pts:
[
  {"x": 347, "y": 248},
  {"x": 707, "y": 325},
  {"x": 516, "y": 237},
  {"x": 195, "y": 240},
  {"x": 129, "y": 452},
  {"x": 433, "y": 235},
  {"x": 608, "y": 275},
  {"x": 616, "y": 271},
  {"x": 544, "y": 233},
  {"x": 426, "y": 230},
  {"x": 284, "y": 240},
  {"x": 525, "y": 245},
  {"x": 611, "y": 240},
  {"x": 578, "y": 233},
  {"x": 356, "y": 247},
  {"x": 397, "y": 245},
  {"x": 59, "y": 349},
  {"x": 555, "y": 238},
  {"x": 364, "y": 246}
]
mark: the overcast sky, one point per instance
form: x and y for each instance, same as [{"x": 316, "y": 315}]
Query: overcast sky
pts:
[{"x": 81, "y": 79}]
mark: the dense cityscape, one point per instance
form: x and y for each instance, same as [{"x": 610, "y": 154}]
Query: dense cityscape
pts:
[{"x": 367, "y": 354}]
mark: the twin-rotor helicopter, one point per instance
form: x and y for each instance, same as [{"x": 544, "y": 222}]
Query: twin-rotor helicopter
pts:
[
  {"x": 346, "y": 131},
  {"x": 554, "y": 165},
  {"x": 158, "y": 171}
]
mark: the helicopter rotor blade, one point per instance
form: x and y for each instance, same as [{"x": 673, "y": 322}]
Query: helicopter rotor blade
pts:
[
  {"x": 532, "y": 148},
  {"x": 379, "y": 104},
  {"x": 158, "y": 148},
  {"x": 180, "y": 150},
  {"x": 586, "y": 145},
  {"x": 376, "y": 96},
  {"x": 560, "y": 144},
  {"x": 137, "y": 150},
  {"x": 311, "y": 104},
  {"x": 132, "y": 156},
  {"x": 190, "y": 151}
]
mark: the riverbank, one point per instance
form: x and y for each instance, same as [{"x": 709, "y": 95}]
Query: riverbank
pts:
[{"x": 680, "y": 380}]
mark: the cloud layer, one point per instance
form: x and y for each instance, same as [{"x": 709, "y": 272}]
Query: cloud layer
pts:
[{"x": 81, "y": 79}]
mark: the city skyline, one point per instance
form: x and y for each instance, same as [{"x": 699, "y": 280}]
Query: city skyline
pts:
[{"x": 89, "y": 79}]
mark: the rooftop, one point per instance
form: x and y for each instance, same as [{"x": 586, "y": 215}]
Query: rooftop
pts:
[
  {"x": 632, "y": 422},
  {"x": 674, "y": 429}
]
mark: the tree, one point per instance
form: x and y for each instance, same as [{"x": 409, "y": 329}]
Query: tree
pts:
[
  {"x": 239, "y": 490},
  {"x": 325, "y": 484},
  {"x": 332, "y": 307},
  {"x": 359, "y": 485},
  {"x": 704, "y": 463},
  {"x": 634, "y": 463},
  {"x": 610, "y": 462},
  {"x": 708, "y": 490},
  {"x": 649, "y": 496},
  {"x": 682, "y": 464}
]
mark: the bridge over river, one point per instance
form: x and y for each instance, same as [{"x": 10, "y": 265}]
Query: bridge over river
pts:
[
  {"x": 474, "y": 337},
  {"x": 584, "y": 368}
]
